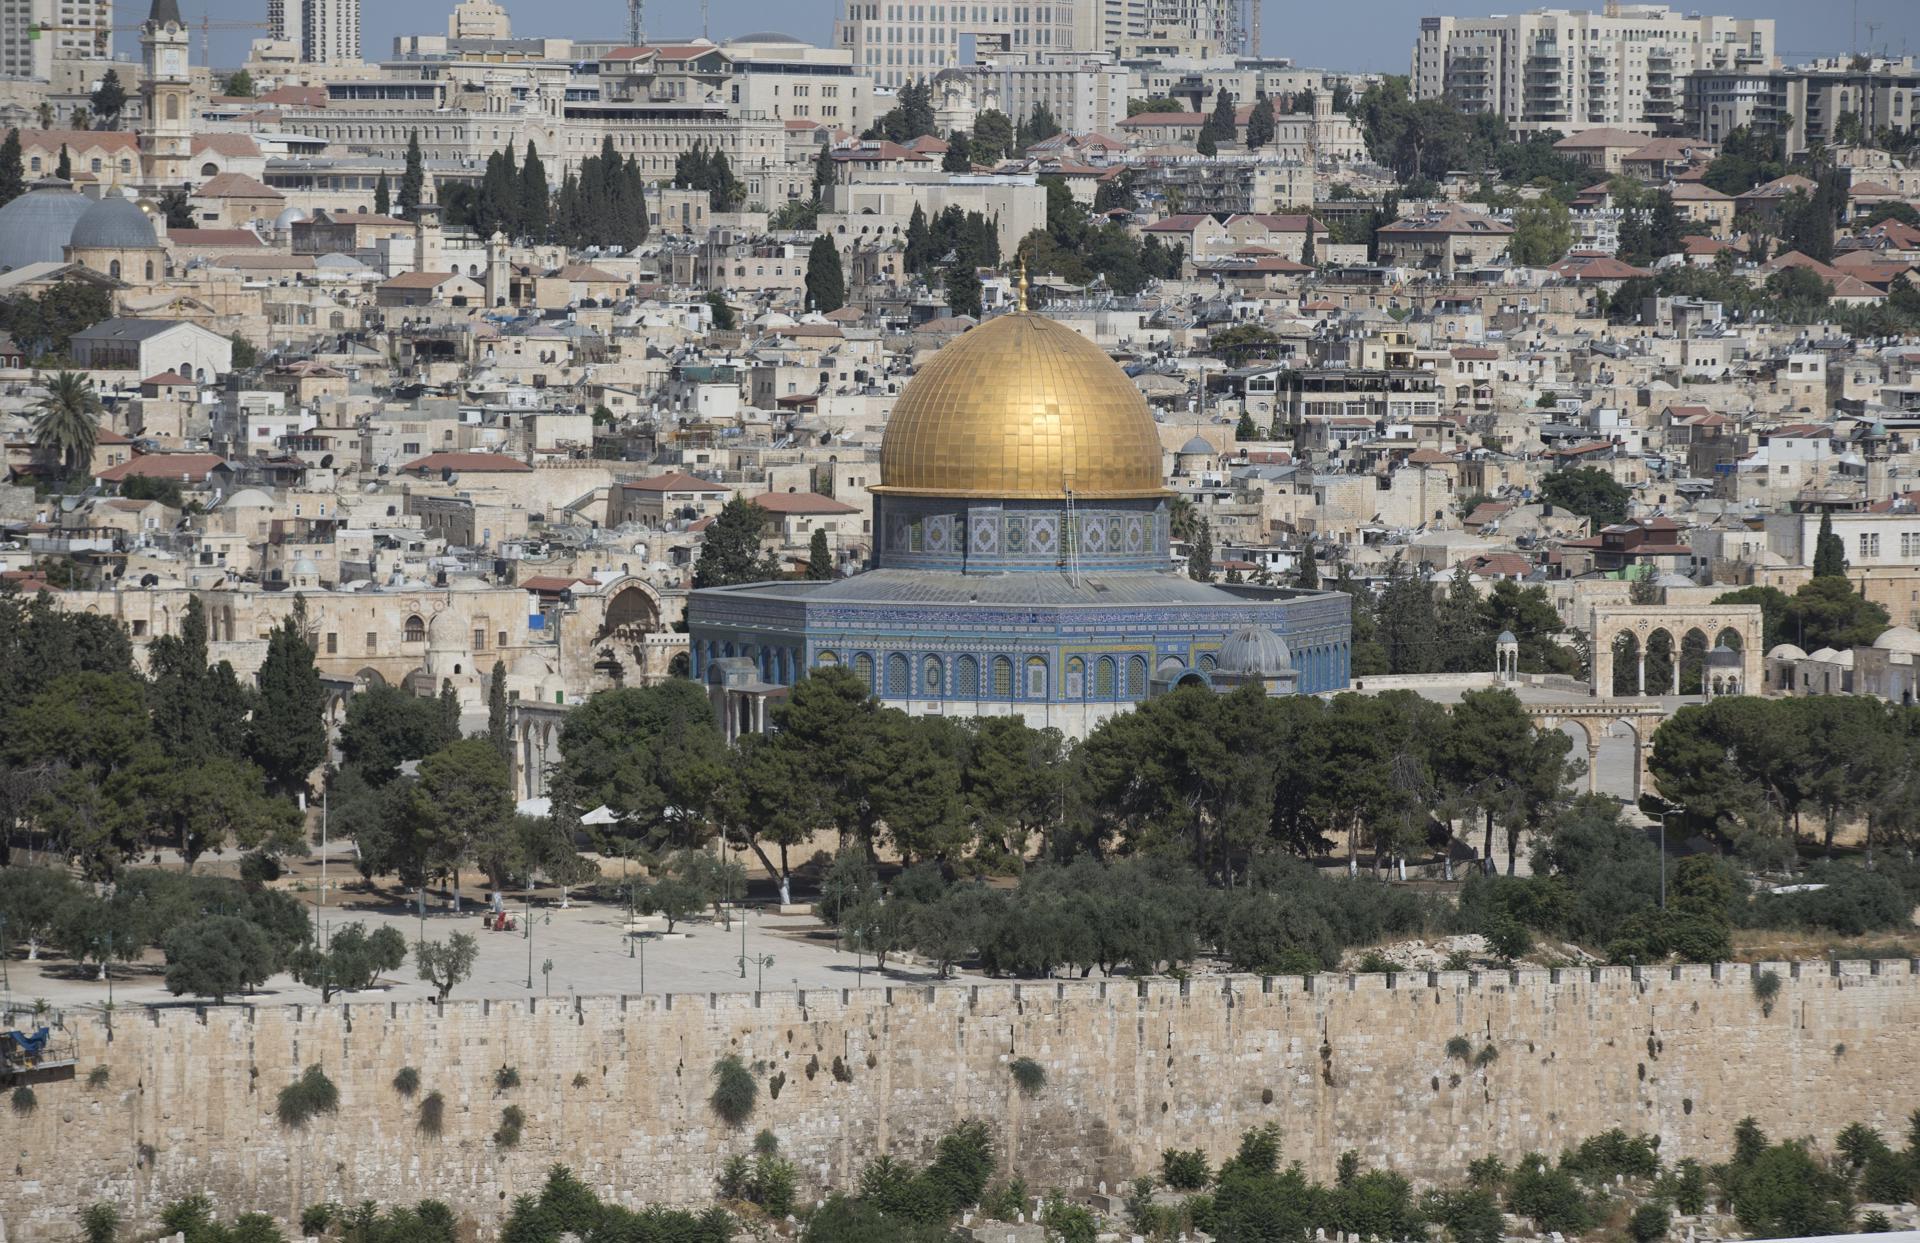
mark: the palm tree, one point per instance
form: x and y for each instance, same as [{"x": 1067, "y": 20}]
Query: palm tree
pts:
[
  {"x": 1180, "y": 519},
  {"x": 44, "y": 111},
  {"x": 67, "y": 420}
]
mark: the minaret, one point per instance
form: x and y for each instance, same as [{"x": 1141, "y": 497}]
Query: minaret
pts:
[{"x": 166, "y": 135}]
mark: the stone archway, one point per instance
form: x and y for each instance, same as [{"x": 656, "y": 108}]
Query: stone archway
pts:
[
  {"x": 1600, "y": 723},
  {"x": 1608, "y": 623}
]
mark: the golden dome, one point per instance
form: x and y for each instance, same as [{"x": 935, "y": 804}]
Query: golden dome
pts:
[{"x": 1023, "y": 408}]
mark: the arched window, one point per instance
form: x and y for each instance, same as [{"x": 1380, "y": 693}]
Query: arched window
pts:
[
  {"x": 826, "y": 660},
  {"x": 113, "y": 268},
  {"x": 1208, "y": 662},
  {"x": 1137, "y": 677},
  {"x": 897, "y": 675},
  {"x": 1076, "y": 678},
  {"x": 863, "y": 669},
  {"x": 1103, "y": 679},
  {"x": 149, "y": 269},
  {"x": 1036, "y": 678},
  {"x": 173, "y": 107},
  {"x": 416, "y": 630},
  {"x": 930, "y": 676},
  {"x": 1002, "y": 678},
  {"x": 966, "y": 678}
]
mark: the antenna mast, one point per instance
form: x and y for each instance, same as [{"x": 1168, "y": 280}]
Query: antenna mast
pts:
[{"x": 636, "y": 22}]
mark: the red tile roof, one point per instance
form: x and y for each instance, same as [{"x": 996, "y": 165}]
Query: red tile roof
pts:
[
  {"x": 193, "y": 467},
  {"x": 481, "y": 463},
  {"x": 676, "y": 481},
  {"x": 801, "y": 503}
]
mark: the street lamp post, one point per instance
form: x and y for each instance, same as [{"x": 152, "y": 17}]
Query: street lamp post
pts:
[{"x": 760, "y": 964}]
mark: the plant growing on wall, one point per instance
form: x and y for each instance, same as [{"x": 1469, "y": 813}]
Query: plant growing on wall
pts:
[
  {"x": 433, "y": 1112},
  {"x": 1460, "y": 1047},
  {"x": 1029, "y": 1075},
  {"x": 312, "y": 1093},
  {"x": 512, "y": 1119},
  {"x": 734, "y": 1091},
  {"x": 406, "y": 1081},
  {"x": 100, "y": 1222},
  {"x": 506, "y": 1079},
  {"x": 1766, "y": 987}
]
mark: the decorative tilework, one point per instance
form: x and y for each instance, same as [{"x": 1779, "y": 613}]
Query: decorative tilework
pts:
[{"x": 983, "y": 536}]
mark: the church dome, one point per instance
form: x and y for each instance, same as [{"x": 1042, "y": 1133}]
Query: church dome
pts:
[
  {"x": 114, "y": 224},
  {"x": 1255, "y": 652},
  {"x": 1021, "y": 408},
  {"x": 34, "y": 228}
]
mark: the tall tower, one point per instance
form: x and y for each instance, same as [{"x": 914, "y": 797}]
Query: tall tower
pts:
[{"x": 166, "y": 137}]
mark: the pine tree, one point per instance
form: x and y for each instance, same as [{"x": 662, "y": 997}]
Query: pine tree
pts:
[
  {"x": 1206, "y": 145},
  {"x": 534, "y": 195},
  {"x": 1200, "y": 559},
  {"x": 1829, "y": 553},
  {"x": 13, "y": 170},
  {"x": 1245, "y": 429},
  {"x": 1307, "y": 255},
  {"x": 413, "y": 182},
  {"x": 382, "y": 197},
  {"x": 954, "y": 159},
  {"x": 497, "y": 712},
  {"x": 819, "y": 559},
  {"x": 826, "y": 282},
  {"x": 963, "y": 288},
  {"x": 64, "y": 169}
]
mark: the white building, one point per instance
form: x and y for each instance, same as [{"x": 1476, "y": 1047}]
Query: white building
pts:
[
  {"x": 75, "y": 30},
  {"x": 1625, "y": 66},
  {"x": 786, "y": 79},
  {"x": 330, "y": 31},
  {"x": 901, "y": 43}
]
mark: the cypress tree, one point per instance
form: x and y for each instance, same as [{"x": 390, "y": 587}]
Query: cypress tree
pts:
[
  {"x": 822, "y": 172},
  {"x": 819, "y": 560},
  {"x": 1221, "y": 123},
  {"x": 13, "y": 170},
  {"x": 1200, "y": 560},
  {"x": 826, "y": 282},
  {"x": 919, "y": 240},
  {"x": 382, "y": 197},
  {"x": 413, "y": 182},
  {"x": 1829, "y": 553},
  {"x": 534, "y": 208},
  {"x": 64, "y": 169},
  {"x": 1260, "y": 124},
  {"x": 287, "y": 735},
  {"x": 497, "y": 712}
]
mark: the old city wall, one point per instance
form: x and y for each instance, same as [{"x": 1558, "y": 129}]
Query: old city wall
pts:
[{"x": 616, "y": 1087}]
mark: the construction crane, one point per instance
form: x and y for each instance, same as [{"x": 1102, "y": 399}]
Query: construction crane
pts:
[{"x": 208, "y": 26}]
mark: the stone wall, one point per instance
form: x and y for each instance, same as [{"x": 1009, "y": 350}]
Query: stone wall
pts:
[{"x": 616, "y": 1087}]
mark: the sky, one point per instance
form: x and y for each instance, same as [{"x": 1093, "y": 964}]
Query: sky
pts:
[{"x": 1349, "y": 34}]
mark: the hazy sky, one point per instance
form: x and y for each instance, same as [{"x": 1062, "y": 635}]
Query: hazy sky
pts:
[{"x": 1343, "y": 34}]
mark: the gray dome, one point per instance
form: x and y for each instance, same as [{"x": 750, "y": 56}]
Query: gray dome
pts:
[
  {"x": 1723, "y": 657},
  {"x": 289, "y": 217},
  {"x": 766, "y": 36},
  {"x": 1197, "y": 445},
  {"x": 1506, "y": 639},
  {"x": 1255, "y": 652},
  {"x": 34, "y": 228},
  {"x": 115, "y": 224}
]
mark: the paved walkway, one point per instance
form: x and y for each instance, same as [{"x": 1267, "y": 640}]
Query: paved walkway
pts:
[{"x": 587, "y": 944}]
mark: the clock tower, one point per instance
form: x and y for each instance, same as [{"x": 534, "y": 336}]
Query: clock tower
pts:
[{"x": 166, "y": 136}]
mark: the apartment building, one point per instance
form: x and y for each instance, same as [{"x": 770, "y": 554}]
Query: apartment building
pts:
[
  {"x": 330, "y": 31},
  {"x": 898, "y": 43},
  {"x": 33, "y": 33},
  {"x": 1805, "y": 103},
  {"x": 1625, "y": 66}
]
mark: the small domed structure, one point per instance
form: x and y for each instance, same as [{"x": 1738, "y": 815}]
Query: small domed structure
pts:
[
  {"x": 1899, "y": 639},
  {"x": 289, "y": 217},
  {"x": 35, "y": 227},
  {"x": 1255, "y": 655},
  {"x": 1255, "y": 650},
  {"x": 1786, "y": 651}
]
